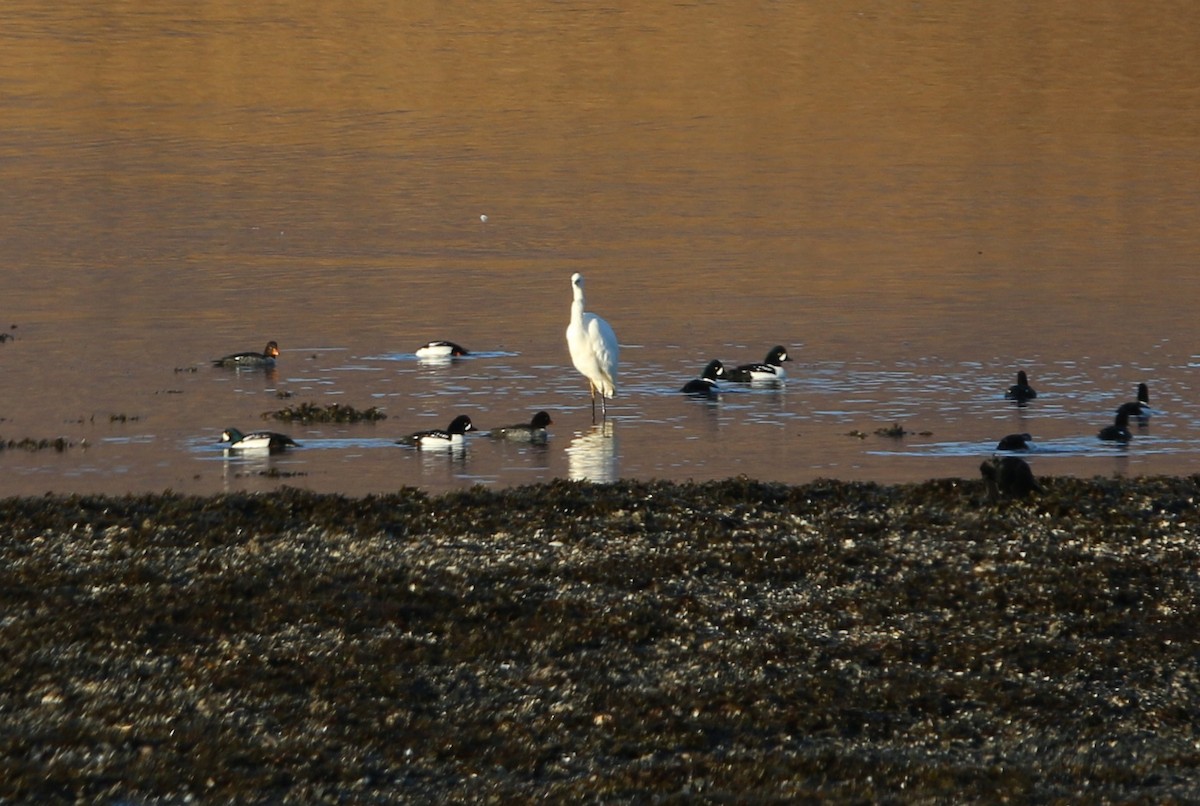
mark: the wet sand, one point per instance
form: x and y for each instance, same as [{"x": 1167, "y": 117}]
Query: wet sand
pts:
[{"x": 730, "y": 640}]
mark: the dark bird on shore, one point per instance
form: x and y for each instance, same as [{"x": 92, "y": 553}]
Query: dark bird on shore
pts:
[
  {"x": 1021, "y": 391},
  {"x": 250, "y": 359},
  {"x": 1015, "y": 442},
  {"x": 1008, "y": 476},
  {"x": 706, "y": 384},
  {"x": 1119, "y": 430}
]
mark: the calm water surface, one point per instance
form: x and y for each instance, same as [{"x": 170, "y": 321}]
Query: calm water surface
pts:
[{"x": 917, "y": 200}]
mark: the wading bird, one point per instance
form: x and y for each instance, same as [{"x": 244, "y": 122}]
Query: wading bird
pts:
[{"x": 594, "y": 349}]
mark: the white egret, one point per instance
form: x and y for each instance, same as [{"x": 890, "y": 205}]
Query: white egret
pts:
[{"x": 594, "y": 349}]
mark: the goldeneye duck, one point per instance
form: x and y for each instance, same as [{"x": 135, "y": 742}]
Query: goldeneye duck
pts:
[
  {"x": 1015, "y": 442},
  {"x": 264, "y": 359},
  {"x": 257, "y": 440},
  {"x": 706, "y": 384},
  {"x": 441, "y": 349},
  {"x": 1021, "y": 390},
  {"x": 1141, "y": 407},
  {"x": 770, "y": 369},
  {"x": 439, "y": 438},
  {"x": 1131, "y": 410},
  {"x": 533, "y": 431},
  {"x": 1119, "y": 430},
  {"x": 1009, "y": 476}
]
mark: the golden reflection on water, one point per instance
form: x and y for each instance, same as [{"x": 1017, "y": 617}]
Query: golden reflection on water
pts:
[
  {"x": 979, "y": 181},
  {"x": 593, "y": 455}
]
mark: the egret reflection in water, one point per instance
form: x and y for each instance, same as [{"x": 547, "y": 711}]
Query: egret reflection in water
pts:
[{"x": 592, "y": 455}]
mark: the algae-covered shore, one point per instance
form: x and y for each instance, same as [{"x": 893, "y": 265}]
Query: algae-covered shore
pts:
[{"x": 629, "y": 642}]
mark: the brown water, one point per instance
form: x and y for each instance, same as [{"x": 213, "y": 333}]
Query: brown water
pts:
[{"x": 916, "y": 199}]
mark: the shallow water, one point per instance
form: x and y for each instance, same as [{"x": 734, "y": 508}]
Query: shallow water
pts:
[{"x": 916, "y": 202}]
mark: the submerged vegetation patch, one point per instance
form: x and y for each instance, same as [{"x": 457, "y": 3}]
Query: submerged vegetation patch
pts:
[
  {"x": 59, "y": 444},
  {"x": 726, "y": 641},
  {"x": 333, "y": 413},
  {"x": 274, "y": 473}
]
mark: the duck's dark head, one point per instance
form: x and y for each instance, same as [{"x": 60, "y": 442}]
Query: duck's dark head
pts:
[
  {"x": 272, "y": 350},
  {"x": 541, "y": 420},
  {"x": 1143, "y": 394},
  {"x": 714, "y": 370},
  {"x": 777, "y": 355},
  {"x": 460, "y": 425}
]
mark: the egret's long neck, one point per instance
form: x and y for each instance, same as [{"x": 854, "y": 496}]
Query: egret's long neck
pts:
[{"x": 577, "y": 306}]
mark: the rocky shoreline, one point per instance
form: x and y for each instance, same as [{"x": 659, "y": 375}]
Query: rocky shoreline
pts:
[{"x": 630, "y": 642}]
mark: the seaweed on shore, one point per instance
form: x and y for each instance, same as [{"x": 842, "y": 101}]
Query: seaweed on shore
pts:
[{"x": 726, "y": 641}]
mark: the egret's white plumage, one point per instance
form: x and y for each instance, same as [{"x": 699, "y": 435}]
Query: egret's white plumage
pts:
[{"x": 594, "y": 349}]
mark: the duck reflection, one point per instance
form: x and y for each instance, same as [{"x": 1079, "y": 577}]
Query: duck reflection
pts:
[
  {"x": 444, "y": 458},
  {"x": 592, "y": 455},
  {"x": 240, "y": 464},
  {"x": 433, "y": 362}
]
